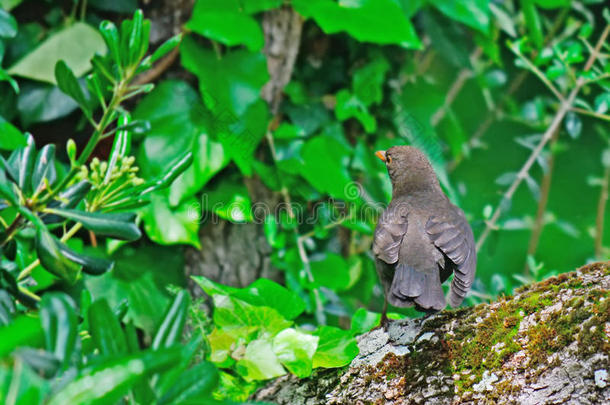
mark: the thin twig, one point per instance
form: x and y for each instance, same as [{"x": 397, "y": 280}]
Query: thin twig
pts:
[
  {"x": 456, "y": 87},
  {"x": 512, "y": 89},
  {"x": 601, "y": 209},
  {"x": 545, "y": 188},
  {"x": 565, "y": 106},
  {"x": 600, "y": 116}
]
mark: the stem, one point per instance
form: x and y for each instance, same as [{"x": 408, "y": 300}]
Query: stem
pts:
[
  {"x": 542, "y": 204},
  {"x": 12, "y": 229},
  {"x": 455, "y": 89},
  {"x": 320, "y": 316},
  {"x": 565, "y": 106},
  {"x": 591, "y": 113},
  {"x": 95, "y": 137},
  {"x": 601, "y": 209},
  {"x": 515, "y": 85}
]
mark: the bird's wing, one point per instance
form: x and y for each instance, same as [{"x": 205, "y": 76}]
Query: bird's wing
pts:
[
  {"x": 453, "y": 236},
  {"x": 390, "y": 230}
]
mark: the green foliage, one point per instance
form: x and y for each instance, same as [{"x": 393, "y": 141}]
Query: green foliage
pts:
[
  {"x": 102, "y": 362},
  {"x": 206, "y": 148},
  {"x": 254, "y": 334}
]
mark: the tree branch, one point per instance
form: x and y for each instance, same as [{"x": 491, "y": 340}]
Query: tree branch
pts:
[
  {"x": 545, "y": 188},
  {"x": 565, "y": 106},
  {"x": 456, "y": 87},
  {"x": 601, "y": 209}
]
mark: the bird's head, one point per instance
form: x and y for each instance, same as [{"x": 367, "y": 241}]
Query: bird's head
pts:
[{"x": 409, "y": 169}]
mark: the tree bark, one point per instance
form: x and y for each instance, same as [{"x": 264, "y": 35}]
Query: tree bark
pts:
[
  {"x": 237, "y": 254},
  {"x": 547, "y": 344}
]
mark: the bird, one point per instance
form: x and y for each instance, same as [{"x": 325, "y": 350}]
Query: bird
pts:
[{"x": 421, "y": 238}]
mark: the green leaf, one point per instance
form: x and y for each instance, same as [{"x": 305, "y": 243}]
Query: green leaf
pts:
[
  {"x": 209, "y": 158},
  {"x": 260, "y": 362},
  {"x": 10, "y": 137},
  {"x": 41, "y": 102},
  {"x": 194, "y": 383},
  {"x": 67, "y": 83},
  {"x": 262, "y": 292},
  {"x": 74, "y": 194},
  {"x": 532, "y": 21},
  {"x": 552, "y": 4},
  {"x": 141, "y": 274},
  {"x": 228, "y": 85},
  {"x": 118, "y": 226},
  {"x": 23, "y": 331},
  {"x": 40, "y": 63},
  {"x": 60, "y": 325},
  {"x": 573, "y": 125},
  {"x": 233, "y": 312},
  {"x": 474, "y": 13},
  {"x": 44, "y": 169},
  {"x": 230, "y": 201},
  {"x": 91, "y": 265},
  {"x": 170, "y": 331},
  {"x": 379, "y": 21},
  {"x": 166, "y": 47},
  {"x": 227, "y": 23},
  {"x": 117, "y": 6},
  {"x": 112, "y": 379},
  {"x": 105, "y": 330},
  {"x": 49, "y": 252},
  {"x": 336, "y": 347},
  {"x": 332, "y": 272},
  {"x": 23, "y": 161},
  {"x": 8, "y": 25},
  {"x": 363, "y": 321},
  {"x": 368, "y": 80},
  {"x": 110, "y": 34},
  {"x": 295, "y": 350},
  {"x": 324, "y": 166},
  {"x": 169, "y": 225},
  {"x": 349, "y": 106}
]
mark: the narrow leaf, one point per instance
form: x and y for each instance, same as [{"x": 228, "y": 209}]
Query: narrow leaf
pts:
[
  {"x": 118, "y": 226},
  {"x": 51, "y": 258}
]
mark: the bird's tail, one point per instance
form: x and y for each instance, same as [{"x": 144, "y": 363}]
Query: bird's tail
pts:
[{"x": 411, "y": 287}]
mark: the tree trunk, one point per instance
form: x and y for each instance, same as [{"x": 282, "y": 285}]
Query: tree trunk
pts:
[
  {"x": 548, "y": 344},
  {"x": 238, "y": 254}
]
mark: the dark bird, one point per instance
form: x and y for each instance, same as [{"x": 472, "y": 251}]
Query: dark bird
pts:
[{"x": 421, "y": 238}]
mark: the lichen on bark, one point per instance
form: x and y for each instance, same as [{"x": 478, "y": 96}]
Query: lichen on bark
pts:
[{"x": 549, "y": 343}]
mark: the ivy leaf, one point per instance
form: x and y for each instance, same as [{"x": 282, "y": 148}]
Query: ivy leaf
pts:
[
  {"x": 262, "y": 292},
  {"x": 40, "y": 63},
  {"x": 350, "y": 106},
  {"x": 474, "y": 13},
  {"x": 324, "y": 169},
  {"x": 260, "y": 362},
  {"x": 336, "y": 347},
  {"x": 378, "y": 21},
  {"x": 332, "y": 272},
  {"x": 228, "y": 85},
  {"x": 230, "y": 201},
  {"x": 233, "y": 312},
  {"x": 225, "y": 22},
  {"x": 363, "y": 321},
  {"x": 295, "y": 350}
]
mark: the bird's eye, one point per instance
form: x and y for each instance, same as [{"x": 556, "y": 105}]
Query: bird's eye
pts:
[{"x": 388, "y": 159}]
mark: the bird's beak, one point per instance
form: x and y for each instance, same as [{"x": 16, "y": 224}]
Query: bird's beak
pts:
[{"x": 380, "y": 154}]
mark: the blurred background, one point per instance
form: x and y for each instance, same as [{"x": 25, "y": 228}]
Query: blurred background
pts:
[{"x": 283, "y": 104}]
